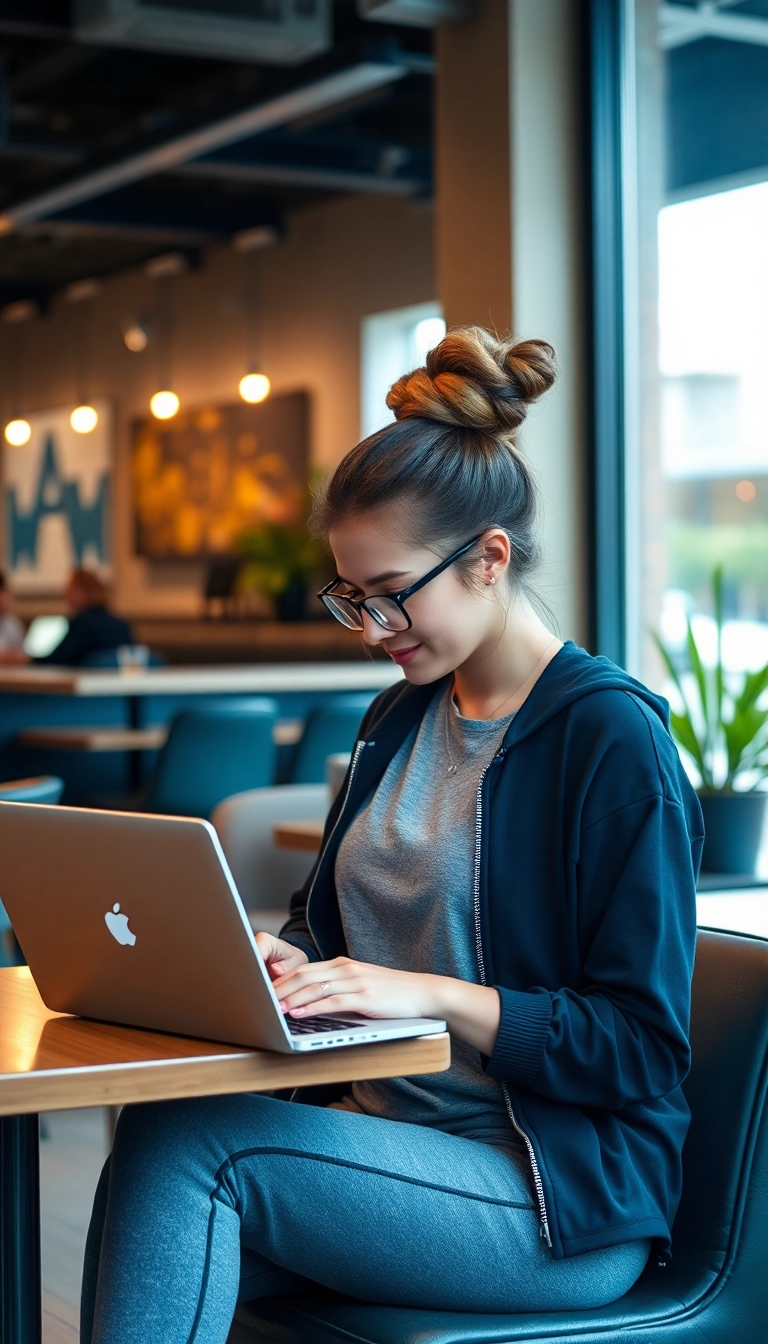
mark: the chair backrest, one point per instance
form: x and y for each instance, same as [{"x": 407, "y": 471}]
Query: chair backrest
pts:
[
  {"x": 37, "y": 789},
  {"x": 266, "y": 876},
  {"x": 330, "y": 728},
  {"x": 212, "y": 753},
  {"x": 726, "y": 1090}
]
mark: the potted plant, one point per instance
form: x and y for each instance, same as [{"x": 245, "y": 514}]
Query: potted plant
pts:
[
  {"x": 723, "y": 728},
  {"x": 278, "y": 559}
]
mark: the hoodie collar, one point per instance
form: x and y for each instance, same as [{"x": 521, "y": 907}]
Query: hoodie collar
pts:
[{"x": 570, "y": 675}]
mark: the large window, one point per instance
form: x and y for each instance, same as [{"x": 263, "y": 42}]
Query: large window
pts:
[{"x": 696, "y": 253}]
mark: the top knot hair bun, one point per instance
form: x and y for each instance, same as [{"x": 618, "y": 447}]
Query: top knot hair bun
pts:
[{"x": 476, "y": 381}]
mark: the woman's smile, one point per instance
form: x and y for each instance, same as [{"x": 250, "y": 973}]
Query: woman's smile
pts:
[{"x": 402, "y": 656}]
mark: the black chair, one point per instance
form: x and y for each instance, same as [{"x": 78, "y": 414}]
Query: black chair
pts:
[{"x": 715, "y": 1290}]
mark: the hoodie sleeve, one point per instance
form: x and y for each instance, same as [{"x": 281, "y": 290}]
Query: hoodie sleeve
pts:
[{"x": 622, "y": 1037}]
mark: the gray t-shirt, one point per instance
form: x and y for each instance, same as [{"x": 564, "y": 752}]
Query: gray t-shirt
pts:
[{"x": 405, "y": 880}]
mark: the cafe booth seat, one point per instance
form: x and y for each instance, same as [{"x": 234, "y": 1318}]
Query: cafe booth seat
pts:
[
  {"x": 715, "y": 1288},
  {"x": 329, "y": 729},
  {"x": 209, "y": 755}
]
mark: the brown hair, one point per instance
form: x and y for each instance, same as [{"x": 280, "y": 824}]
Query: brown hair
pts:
[
  {"x": 450, "y": 459},
  {"x": 91, "y": 586}
]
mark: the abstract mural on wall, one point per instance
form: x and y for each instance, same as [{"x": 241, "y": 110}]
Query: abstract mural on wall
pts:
[
  {"x": 57, "y": 501},
  {"x": 205, "y": 477}
]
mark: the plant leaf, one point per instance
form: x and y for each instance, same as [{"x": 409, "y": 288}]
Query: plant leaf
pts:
[
  {"x": 742, "y": 735},
  {"x": 717, "y": 591},
  {"x": 682, "y": 724},
  {"x": 754, "y": 685},
  {"x": 684, "y": 733},
  {"x": 701, "y": 682}
]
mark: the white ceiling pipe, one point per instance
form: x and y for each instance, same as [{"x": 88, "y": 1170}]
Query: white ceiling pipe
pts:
[{"x": 253, "y": 120}]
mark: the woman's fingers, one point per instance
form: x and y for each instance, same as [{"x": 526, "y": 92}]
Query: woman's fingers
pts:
[
  {"x": 316, "y": 993},
  {"x": 312, "y": 973},
  {"x": 280, "y": 958}
]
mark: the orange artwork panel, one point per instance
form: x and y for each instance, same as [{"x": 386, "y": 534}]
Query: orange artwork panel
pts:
[{"x": 214, "y": 471}]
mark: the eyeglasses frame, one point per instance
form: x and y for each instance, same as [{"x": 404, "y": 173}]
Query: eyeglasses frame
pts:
[{"x": 399, "y": 598}]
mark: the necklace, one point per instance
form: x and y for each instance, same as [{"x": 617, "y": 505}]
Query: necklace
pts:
[{"x": 453, "y": 767}]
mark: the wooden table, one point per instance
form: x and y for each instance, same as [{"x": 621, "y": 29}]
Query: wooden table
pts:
[
  {"x": 136, "y": 685},
  {"x": 93, "y": 738},
  {"x": 303, "y": 835},
  {"x": 256, "y": 679},
  {"x": 51, "y": 1061}
]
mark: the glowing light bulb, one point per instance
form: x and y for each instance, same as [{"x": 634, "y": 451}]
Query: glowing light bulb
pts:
[
  {"x": 255, "y": 387},
  {"x": 18, "y": 432},
  {"x": 164, "y": 405},
  {"x": 84, "y": 419}
]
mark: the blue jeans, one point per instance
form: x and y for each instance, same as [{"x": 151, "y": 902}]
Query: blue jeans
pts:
[{"x": 209, "y": 1202}]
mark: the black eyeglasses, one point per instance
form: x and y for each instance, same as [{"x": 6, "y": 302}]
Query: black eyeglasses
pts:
[{"x": 387, "y": 609}]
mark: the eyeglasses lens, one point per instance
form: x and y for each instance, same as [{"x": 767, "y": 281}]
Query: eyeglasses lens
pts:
[
  {"x": 387, "y": 613},
  {"x": 343, "y": 611}
]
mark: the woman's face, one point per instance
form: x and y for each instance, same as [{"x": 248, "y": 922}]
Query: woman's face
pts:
[{"x": 452, "y": 623}]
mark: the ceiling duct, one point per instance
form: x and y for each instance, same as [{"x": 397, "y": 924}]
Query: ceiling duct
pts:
[
  {"x": 279, "y": 32},
  {"x": 417, "y": 13}
]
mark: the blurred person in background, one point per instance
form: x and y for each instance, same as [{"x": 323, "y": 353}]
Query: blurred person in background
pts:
[
  {"x": 93, "y": 628},
  {"x": 11, "y": 628}
]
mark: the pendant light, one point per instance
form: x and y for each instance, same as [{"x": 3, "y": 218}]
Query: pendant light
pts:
[
  {"x": 84, "y": 418},
  {"x": 254, "y": 386},
  {"x": 164, "y": 403},
  {"x": 18, "y": 430}
]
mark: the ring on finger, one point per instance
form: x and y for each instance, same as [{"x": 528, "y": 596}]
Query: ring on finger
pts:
[{"x": 325, "y": 985}]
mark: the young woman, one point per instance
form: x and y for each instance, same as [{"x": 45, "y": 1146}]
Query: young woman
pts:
[{"x": 515, "y": 850}]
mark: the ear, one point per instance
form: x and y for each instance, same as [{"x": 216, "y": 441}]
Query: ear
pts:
[{"x": 496, "y": 555}]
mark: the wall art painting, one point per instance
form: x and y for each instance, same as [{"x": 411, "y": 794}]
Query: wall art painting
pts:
[
  {"x": 213, "y": 472},
  {"x": 57, "y": 501}
]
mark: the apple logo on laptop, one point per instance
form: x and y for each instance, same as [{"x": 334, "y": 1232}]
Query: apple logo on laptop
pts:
[{"x": 118, "y": 926}]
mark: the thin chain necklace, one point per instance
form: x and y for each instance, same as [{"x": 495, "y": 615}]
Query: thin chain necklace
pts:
[{"x": 453, "y": 767}]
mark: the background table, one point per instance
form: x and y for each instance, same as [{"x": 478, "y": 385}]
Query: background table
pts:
[
  {"x": 50, "y": 1061},
  {"x": 40, "y": 706},
  {"x": 302, "y": 835}
]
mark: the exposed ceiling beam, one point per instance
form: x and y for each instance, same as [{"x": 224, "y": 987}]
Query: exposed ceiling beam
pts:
[
  {"x": 682, "y": 24},
  {"x": 322, "y": 179},
  {"x": 42, "y": 153},
  {"x": 263, "y": 117},
  {"x": 122, "y": 231}
]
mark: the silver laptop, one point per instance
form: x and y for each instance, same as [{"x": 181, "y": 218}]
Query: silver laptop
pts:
[{"x": 136, "y": 919}]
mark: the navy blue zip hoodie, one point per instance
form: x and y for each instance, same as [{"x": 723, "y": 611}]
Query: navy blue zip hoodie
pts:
[{"x": 589, "y": 839}]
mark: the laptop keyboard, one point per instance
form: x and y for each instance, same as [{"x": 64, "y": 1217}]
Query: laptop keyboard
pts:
[{"x": 319, "y": 1023}]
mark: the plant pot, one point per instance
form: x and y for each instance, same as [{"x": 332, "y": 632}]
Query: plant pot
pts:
[
  {"x": 733, "y": 823},
  {"x": 291, "y": 604}
]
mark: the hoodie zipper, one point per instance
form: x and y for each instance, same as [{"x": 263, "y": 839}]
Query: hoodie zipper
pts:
[
  {"x": 353, "y": 766},
  {"x": 536, "y": 1174}
]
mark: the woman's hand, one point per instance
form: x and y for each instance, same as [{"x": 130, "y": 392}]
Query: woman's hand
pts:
[
  {"x": 345, "y": 986},
  {"x": 279, "y": 957}
]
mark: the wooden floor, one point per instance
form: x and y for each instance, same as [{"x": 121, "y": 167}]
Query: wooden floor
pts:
[{"x": 71, "y": 1157}]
